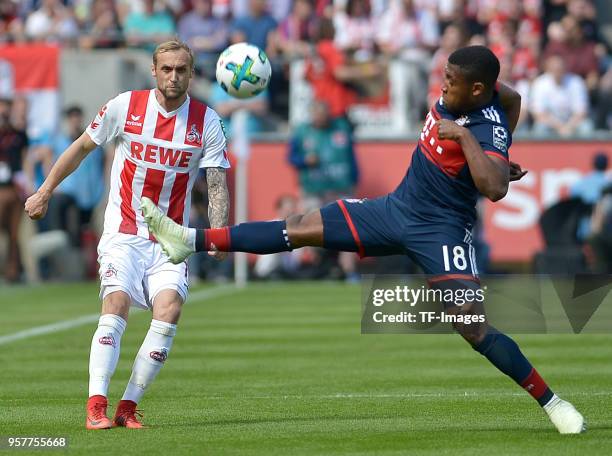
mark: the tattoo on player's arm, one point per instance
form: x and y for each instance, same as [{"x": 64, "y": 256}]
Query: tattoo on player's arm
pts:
[{"x": 218, "y": 197}]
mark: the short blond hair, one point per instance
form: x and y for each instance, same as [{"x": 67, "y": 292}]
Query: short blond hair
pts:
[{"x": 173, "y": 45}]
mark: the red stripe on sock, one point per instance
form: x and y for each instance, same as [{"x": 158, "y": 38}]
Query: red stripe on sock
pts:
[
  {"x": 534, "y": 384},
  {"x": 218, "y": 236}
]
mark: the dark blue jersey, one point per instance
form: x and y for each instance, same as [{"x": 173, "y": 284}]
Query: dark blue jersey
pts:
[{"x": 438, "y": 186}]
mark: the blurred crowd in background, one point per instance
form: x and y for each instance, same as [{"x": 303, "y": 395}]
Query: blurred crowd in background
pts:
[{"x": 556, "y": 53}]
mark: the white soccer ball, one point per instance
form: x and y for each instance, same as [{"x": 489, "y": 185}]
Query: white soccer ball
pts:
[{"x": 243, "y": 70}]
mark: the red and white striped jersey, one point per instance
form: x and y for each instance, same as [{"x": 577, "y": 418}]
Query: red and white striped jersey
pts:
[{"x": 157, "y": 155}]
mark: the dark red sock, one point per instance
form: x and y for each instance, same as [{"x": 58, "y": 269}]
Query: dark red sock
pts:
[
  {"x": 537, "y": 387},
  {"x": 250, "y": 237},
  {"x": 506, "y": 355},
  {"x": 220, "y": 237}
]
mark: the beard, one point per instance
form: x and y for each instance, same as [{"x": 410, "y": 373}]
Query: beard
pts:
[{"x": 173, "y": 93}]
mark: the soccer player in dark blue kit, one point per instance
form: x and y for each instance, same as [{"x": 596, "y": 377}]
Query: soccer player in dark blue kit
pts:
[{"x": 462, "y": 153}]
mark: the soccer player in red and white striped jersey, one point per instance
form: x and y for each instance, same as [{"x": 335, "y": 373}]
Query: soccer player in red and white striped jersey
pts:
[{"x": 162, "y": 137}]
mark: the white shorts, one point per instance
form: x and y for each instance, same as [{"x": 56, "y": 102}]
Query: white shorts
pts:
[{"x": 138, "y": 267}]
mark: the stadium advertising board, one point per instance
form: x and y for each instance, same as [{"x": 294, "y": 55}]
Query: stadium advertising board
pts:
[{"x": 511, "y": 226}]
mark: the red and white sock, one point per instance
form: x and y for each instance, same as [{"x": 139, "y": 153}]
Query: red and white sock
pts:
[
  {"x": 104, "y": 354},
  {"x": 150, "y": 359}
]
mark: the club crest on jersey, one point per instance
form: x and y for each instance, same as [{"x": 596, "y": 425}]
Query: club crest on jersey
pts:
[
  {"x": 110, "y": 271},
  {"x": 463, "y": 120},
  {"x": 107, "y": 340},
  {"x": 500, "y": 138},
  {"x": 159, "y": 356},
  {"x": 194, "y": 135}
]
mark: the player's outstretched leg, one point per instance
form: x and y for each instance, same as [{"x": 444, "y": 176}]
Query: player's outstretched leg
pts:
[
  {"x": 505, "y": 354},
  {"x": 179, "y": 242},
  {"x": 175, "y": 240},
  {"x": 105, "y": 347}
]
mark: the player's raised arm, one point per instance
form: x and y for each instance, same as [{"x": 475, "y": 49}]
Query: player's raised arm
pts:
[
  {"x": 218, "y": 202},
  {"x": 215, "y": 162},
  {"x": 37, "y": 204},
  {"x": 491, "y": 175},
  {"x": 510, "y": 101},
  {"x": 218, "y": 197}
]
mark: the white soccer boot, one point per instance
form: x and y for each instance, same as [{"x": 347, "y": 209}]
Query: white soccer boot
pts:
[
  {"x": 565, "y": 417},
  {"x": 172, "y": 237}
]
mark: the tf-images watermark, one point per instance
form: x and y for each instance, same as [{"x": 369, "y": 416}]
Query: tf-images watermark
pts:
[{"x": 535, "y": 304}]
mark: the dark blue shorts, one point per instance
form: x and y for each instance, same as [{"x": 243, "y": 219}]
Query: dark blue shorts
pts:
[{"x": 384, "y": 226}]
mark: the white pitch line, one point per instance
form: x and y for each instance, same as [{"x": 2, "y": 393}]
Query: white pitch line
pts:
[
  {"x": 48, "y": 329},
  {"x": 201, "y": 295},
  {"x": 467, "y": 394}
]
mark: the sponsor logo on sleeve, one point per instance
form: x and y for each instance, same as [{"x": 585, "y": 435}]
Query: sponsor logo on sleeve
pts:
[
  {"x": 223, "y": 129},
  {"x": 500, "y": 138},
  {"x": 110, "y": 271},
  {"x": 96, "y": 122}
]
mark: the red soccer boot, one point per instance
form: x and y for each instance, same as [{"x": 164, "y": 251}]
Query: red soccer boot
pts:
[
  {"x": 96, "y": 413},
  {"x": 125, "y": 416}
]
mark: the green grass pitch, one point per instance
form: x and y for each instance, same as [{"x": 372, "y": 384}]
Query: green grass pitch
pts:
[{"x": 282, "y": 369}]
